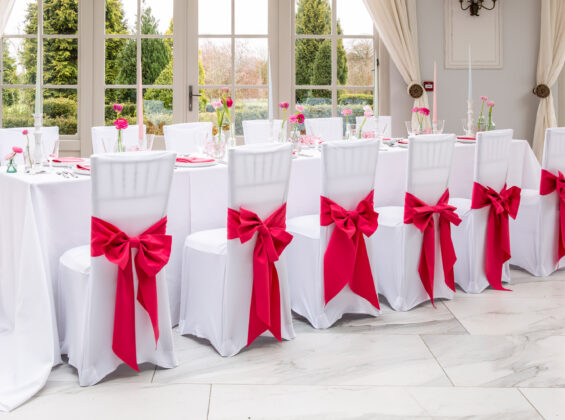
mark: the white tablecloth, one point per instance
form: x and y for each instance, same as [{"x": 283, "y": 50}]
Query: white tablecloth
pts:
[{"x": 44, "y": 215}]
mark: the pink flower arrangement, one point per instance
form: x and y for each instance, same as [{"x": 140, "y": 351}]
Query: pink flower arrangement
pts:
[
  {"x": 481, "y": 118},
  {"x": 10, "y": 156},
  {"x": 484, "y": 98},
  {"x": 25, "y": 132},
  {"x": 367, "y": 113},
  {"x": 17, "y": 149},
  {"x": 295, "y": 119},
  {"x": 346, "y": 112},
  {"x": 118, "y": 108},
  {"x": 222, "y": 107},
  {"x": 490, "y": 105},
  {"x": 420, "y": 113},
  {"x": 121, "y": 124},
  {"x": 284, "y": 105}
]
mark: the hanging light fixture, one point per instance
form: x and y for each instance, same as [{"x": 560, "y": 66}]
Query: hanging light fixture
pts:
[{"x": 475, "y": 5}]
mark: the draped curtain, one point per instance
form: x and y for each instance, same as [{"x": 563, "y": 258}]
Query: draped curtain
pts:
[
  {"x": 396, "y": 22},
  {"x": 5, "y": 10},
  {"x": 550, "y": 63}
]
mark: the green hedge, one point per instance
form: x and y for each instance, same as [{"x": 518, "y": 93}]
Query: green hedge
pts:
[
  {"x": 59, "y": 107},
  {"x": 355, "y": 99},
  {"x": 67, "y": 126}
]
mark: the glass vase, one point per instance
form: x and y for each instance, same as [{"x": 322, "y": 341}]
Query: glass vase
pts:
[
  {"x": 350, "y": 131},
  {"x": 283, "y": 133},
  {"x": 12, "y": 168},
  {"x": 295, "y": 139},
  {"x": 230, "y": 136},
  {"x": 491, "y": 125},
  {"x": 28, "y": 158},
  {"x": 481, "y": 124},
  {"x": 119, "y": 145},
  {"x": 220, "y": 145}
]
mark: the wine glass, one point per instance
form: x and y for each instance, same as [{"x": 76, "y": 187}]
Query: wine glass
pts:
[{"x": 51, "y": 150}]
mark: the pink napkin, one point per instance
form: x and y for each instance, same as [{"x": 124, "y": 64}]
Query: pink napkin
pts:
[
  {"x": 68, "y": 159},
  {"x": 466, "y": 138},
  {"x": 402, "y": 142},
  {"x": 194, "y": 160},
  {"x": 83, "y": 167}
]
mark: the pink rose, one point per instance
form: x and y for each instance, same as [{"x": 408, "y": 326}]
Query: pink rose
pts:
[
  {"x": 490, "y": 104},
  {"x": 346, "y": 112},
  {"x": 484, "y": 98},
  {"x": 299, "y": 108},
  {"x": 121, "y": 124},
  {"x": 118, "y": 108},
  {"x": 229, "y": 102},
  {"x": 10, "y": 156},
  {"x": 17, "y": 149},
  {"x": 293, "y": 118},
  {"x": 425, "y": 111},
  {"x": 284, "y": 105},
  {"x": 300, "y": 118},
  {"x": 25, "y": 132},
  {"x": 217, "y": 104},
  {"x": 415, "y": 109}
]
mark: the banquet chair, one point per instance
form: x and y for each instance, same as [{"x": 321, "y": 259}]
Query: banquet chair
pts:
[
  {"x": 480, "y": 262},
  {"x": 407, "y": 248},
  {"x": 327, "y": 282},
  {"x": 535, "y": 234},
  {"x": 10, "y": 137},
  {"x": 101, "y": 311},
  {"x": 327, "y": 129},
  {"x": 230, "y": 293},
  {"x": 384, "y": 124},
  {"x": 187, "y": 138},
  {"x": 261, "y": 131},
  {"x": 130, "y": 137}
]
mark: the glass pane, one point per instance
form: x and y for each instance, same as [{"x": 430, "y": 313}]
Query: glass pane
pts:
[
  {"x": 157, "y": 17},
  {"x": 121, "y": 16},
  {"x": 60, "y": 109},
  {"x": 250, "y": 104},
  {"x": 125, "y": 97},
  {"x": 354, "y": 100},
  {"x": 60, "y": 61},
  {"x": 252, "y": 17},
  {"x": 214, "y": 17},
  {"x": 352, "y": 18},
  {"x": 156, "y": 61},
  {"x": 23, "y": 19},
  {"x": 313, "y": 62},
  {"x": 14, "y": 71},
  {"x": 317, "y": 103},
  {"x": 205, "y": 109},
  {"x": 359, "y": 55},
  {"x": 60, "y": 17},
  {"x": 157, "y": 109},
  {"x": 17, "y": 107},
  {"x": 313, "y": 17},
  {"x": 216, "y": 60},
  {"x": 251, "y": 61},
  {"x": 121, "y": 61}
]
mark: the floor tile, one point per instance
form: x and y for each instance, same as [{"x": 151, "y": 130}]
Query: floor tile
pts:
[
  {"x": 311, "y": 359},
  {"x": 500, "y": 361},
  {"x": 550, "y": 402},
  {"x": 341, "y": 403},
  {"x": 67, "y": 373}
]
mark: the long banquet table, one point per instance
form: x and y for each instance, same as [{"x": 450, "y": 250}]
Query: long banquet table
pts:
[{"x": 42, "y": 216}]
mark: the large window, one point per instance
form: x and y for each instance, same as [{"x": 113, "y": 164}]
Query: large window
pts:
[
  {"x": 334, "y": 56},
  {"x": 58, "y": 32}
]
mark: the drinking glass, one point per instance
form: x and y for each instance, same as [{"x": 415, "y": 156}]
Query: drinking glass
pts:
[
  {"x": 51, "y": 150},
  {"x": 439, "y": 127}
]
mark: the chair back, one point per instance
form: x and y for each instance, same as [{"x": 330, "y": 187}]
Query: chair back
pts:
[
  {"x": 492, "y": 156},
  {"x": 258, "y": 177},
  {"x": 348, "y": 171},
  {"x": 131, "y": 190},
  {"x": 188, "y": 137},
  {"x": 429, "y": 165},
  {"x": 554, "y": 150},
  {"x": 10, "y": 137},
  {"x": 106, "y": 136},
  {"x": 261, "y": 131},
  {"x": 380, "y": 124},
  {"x": 328, "y": 129}
]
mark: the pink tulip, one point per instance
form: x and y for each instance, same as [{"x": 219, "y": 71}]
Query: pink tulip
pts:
[
  {"x": 415, "y": 109},
  {"x": 293, "y": 118},
  {"x": 10, "y": 156},
  {"x": 490, "y": 104},
  {"x": 346, "y": 112},
  {"x": 299, "y": 108},
  {"x": 17, "y": 149},
  {"x": 121, "y": 124},
  {"x": 118, "y": 108},
  {"x": 484, "y": 98},
  {"x": 425, "y": 111},
  {"x": 300, "y": 118},
  {"x": 25, "y": 132},
  {"x": 217, "y": 104},
  {"x": 229, "y": 102},
  {"x": 284, "y": 105}
]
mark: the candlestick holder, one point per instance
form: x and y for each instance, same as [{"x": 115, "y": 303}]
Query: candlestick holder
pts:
[
  {"x": 470, "y": 128},
  {"x": 38, "y": 149}
]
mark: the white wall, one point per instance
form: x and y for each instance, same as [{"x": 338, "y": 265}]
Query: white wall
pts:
[{"x": 510, "y": 87}]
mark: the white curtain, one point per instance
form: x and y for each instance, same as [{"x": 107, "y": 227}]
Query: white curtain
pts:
[
  {"x": 5, "y": 10},
  {"x": 550, "y": 63},
  {"x": 397, "y": 24}
]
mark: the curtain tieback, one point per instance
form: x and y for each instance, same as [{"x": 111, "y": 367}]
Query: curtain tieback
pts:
[
  {"x": 415, "y": 90},
  {"x": 542, "y": 90}
]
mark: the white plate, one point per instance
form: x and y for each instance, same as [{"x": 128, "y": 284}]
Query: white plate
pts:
[
  {"x": 66, "y": 164},
  {"x": 465, "y": 141},
  {"x": 403, "y": 145},
  {"x": 81, "y": 171},
  {"x": 195, "y": 165}
]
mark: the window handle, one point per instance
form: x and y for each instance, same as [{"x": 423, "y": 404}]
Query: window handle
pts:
[{"x": 190, "y": 96}]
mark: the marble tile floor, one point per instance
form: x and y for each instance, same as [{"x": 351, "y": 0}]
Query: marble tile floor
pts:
[{"x": 497, "y": 355}]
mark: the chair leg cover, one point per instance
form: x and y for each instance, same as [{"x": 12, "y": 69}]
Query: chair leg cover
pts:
[
  {"x": 87, "y": 299},
  {"x": 305, "y": 273},
  {"x": 216, "y": 294}
]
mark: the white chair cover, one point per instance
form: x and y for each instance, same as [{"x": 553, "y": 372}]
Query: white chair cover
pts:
[
  {"x": 217, "y": 272},
  {"x": 535, "y": 232},
  {"x": 492, "y": 155},
  {"x": 130, "y": 191},
  {"x": 348, "y": 176},
  {"x": 328, "y": 129},
  {"x": 187, "y": 138},
  {"x": 130, "y": 137},
  {"x": 397, "y": 245},
  {"x": 384, "y": 124},
  {"x": 261, "y": 131},
  {"x": 10, "y": 137}
]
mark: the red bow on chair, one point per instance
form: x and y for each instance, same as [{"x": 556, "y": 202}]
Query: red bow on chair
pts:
[
  {"x": 550, "y": 183},
  {"x": 346, "y": 260},
  {"x": 272, "y": 239},
  {"x": 154, "y": 249},
  {"x": 502, "y": 205},
  {"x": 422, "y": 216}
]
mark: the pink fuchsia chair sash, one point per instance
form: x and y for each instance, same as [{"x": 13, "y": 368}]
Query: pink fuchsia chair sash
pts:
[
  {"x": 501, "y": 205},
  {"x": 272, "y": 239},
  {"x": 346, "y": 260},
  {"x": 421, "y": 215},
  {"x": 556, "y": 183},
  {"x": 154, "y": 250}
]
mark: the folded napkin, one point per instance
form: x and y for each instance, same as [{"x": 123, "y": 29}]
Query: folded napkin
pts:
[
  {"x": 402, "y": 141},
  {"x": 68, "y": 159},
  {"x": 83, "y": 167},
  {"x": 466, "y": 138},
  {"x": 194, "y": 159}
]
